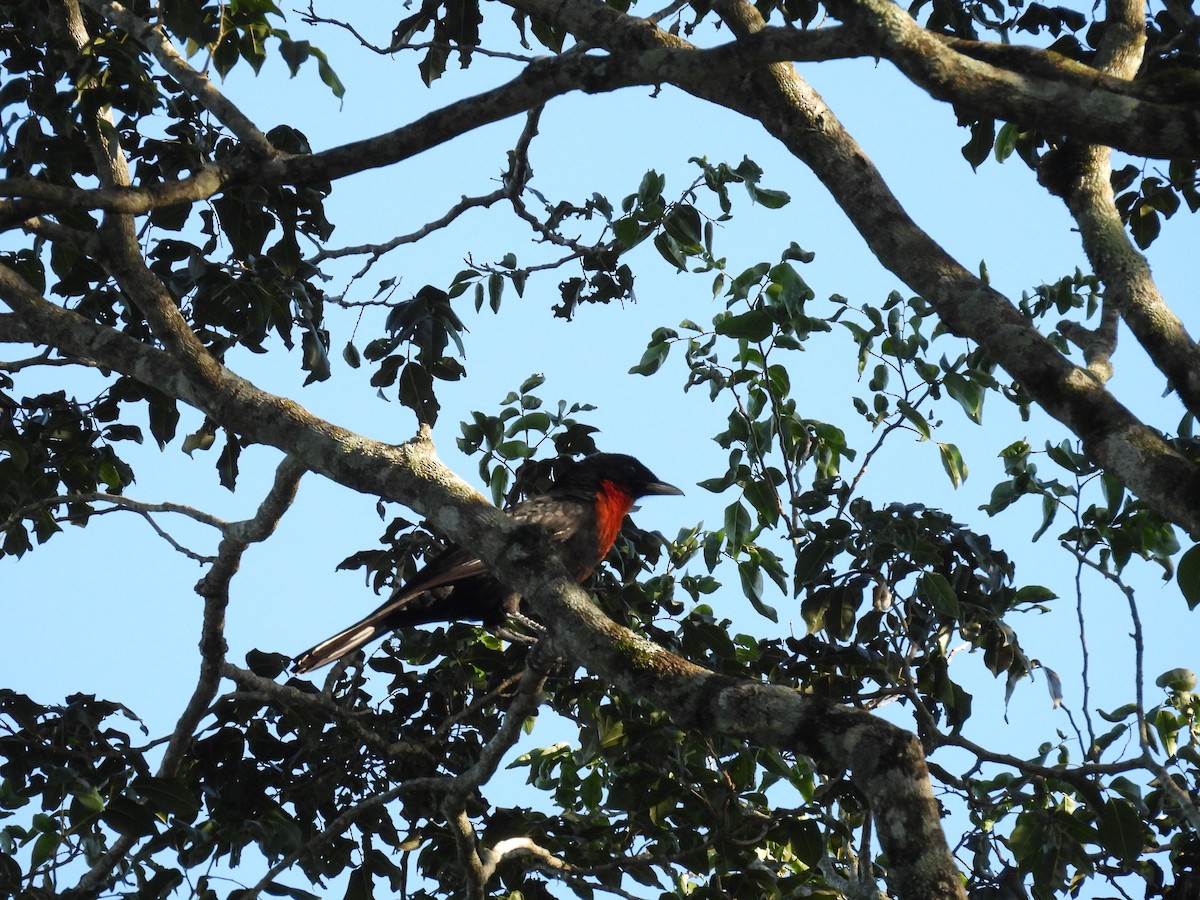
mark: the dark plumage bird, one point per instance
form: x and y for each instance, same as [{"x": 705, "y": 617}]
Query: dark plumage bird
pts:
[{"x": 583, "y": 511}]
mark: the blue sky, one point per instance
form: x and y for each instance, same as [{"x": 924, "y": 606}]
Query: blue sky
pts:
[{"x": 110, "y": 610}]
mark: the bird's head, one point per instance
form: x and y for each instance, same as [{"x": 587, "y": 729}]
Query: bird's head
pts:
[{"x": 623, "y": 472}]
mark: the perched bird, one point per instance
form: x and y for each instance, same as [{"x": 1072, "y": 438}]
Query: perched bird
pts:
[{"x": 583, "y": 511}]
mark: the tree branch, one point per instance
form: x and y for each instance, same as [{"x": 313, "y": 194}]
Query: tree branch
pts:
[
  {"x": 1037, "y": 88},
  {"x": 791, "y": 110},
  {"x": 1082, "y": 175}
]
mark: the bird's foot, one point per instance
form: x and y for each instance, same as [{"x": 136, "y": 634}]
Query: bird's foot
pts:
[
  {"x": 542, "y": 659},
  {"x": 527, "y": 623}
]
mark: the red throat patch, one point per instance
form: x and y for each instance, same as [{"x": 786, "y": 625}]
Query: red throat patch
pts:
[{"x": 612, "y": 506}]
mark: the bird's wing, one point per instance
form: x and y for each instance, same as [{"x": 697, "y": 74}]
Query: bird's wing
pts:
[
  {"x": 562, "y": 517},
  {"x": 450, "y": 567}
]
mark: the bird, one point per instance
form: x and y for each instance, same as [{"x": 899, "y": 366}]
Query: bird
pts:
[{"x": 583, "y": 511}]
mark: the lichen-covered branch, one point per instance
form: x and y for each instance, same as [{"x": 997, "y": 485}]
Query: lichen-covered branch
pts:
[{"x": 1081, "y": 173}]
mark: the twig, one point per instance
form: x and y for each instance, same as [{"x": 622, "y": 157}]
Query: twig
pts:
[{"x": 1161, "y": 775}]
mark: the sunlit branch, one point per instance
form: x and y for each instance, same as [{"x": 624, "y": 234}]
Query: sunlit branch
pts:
[
  {"x": 112, "y": 169},
  {"x": 680, "y": 64},
  {"x": 514, "y": 181},
  {"x": 1082, "y": 176},
  {"x": 376, "y": 251},
  {"x": 1098, "y": 344}
]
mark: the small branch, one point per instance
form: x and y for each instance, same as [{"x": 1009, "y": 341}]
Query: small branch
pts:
[
  {"x": 1161, "y": 775},
  {"x": 477, "y": 867},
  {"x": 377, "y": 251},
  {"x": 119, "y": 502},
  {"x": 1098, "y": 344},
  {"x": 524, "y": 705},
  {"x": 667, "y": 11},
  {"x": 42, "y": 359},
  {"x": 214, "y": 588}
]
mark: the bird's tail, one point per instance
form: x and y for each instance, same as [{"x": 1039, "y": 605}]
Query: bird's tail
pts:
[{"x": 337, "y": 646}]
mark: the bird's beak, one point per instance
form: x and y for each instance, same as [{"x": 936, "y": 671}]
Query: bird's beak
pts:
[{"x": 661, "y": 488}]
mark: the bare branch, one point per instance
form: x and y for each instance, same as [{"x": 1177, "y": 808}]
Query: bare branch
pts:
[
  {"x": 1162, "y": 777},
  {"x": 214, "y": 587},
  {"x": 1098, "y": 344},
  {"x": 42, "y": 359}
]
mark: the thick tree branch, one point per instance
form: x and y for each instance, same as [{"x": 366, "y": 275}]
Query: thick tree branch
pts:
[
  {"x": 1036, "y": 88},
  {"x": 1077, "y": 100},
  {"x": 1081, "y": 174}
]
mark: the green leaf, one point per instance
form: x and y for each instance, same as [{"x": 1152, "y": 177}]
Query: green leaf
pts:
[
  {"x": 771, "y": 199},
  {"x": 737, "y": 526},
  {"x": 1006, "y": 141},
  {"x": 43, "y": 848},
  {"x": 1178, "y": 679},
  {"x": 968, "y": 393},
  {"x": 652, "y": 359},
  {"x": 533, "y": 421},
  {"x": 750, "y": 574},
  {"x": 937, "y": 592},
  {"x": 328, "y": 75},
  {"x": 416, "y": 392},
  {"x": 628, "y": 231},
  {"x": 684, "y": 225},
  {"x": 167, "y": 795},
  {"x": 164, "y": 417},
  {"x": 128, "y": 818},
  {"x": 953, "y": 463},
  {"x": 1144, "y": 224},
  {"x": 227, "y": 462},
  {"x": 1034, "y": 593},
  {"x": 917, "y": 420},
  {"x": 1122, "y": 831},
  {"x": 754, "y": 326},
  {"x": 1187, "y": 573},
  {"x": 671, "y": 250}
]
